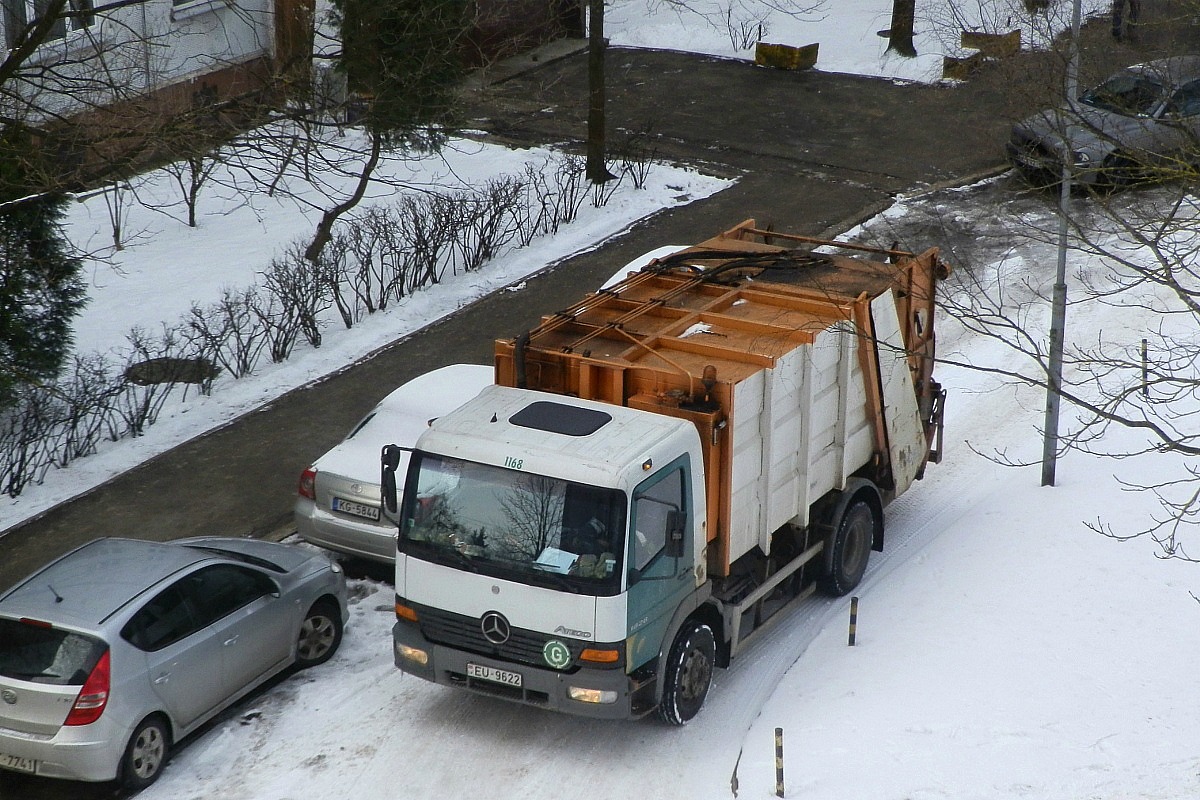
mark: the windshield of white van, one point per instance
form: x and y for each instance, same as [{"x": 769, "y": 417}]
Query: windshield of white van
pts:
[{"x": 530, "y": 528}]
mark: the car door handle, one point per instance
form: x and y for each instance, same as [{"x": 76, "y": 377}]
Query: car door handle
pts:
[
  {"x": 230, "y": 640},
  {"x": 162, "y": 679}
]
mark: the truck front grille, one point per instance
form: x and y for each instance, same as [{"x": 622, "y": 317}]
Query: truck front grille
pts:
[{"x": 464, "y": 633}]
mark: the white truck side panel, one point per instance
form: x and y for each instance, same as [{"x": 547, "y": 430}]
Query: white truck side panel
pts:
[
  {"x": 906, "y": 436},
  {"x": 746, "y": 491},
  {"x": 800, "y": 429},
  {"x": 842, "y": 437}
]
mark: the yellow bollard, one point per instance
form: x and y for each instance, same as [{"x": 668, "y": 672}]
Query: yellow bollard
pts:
[
  {"x": 779, "y": 762},
  {"x": 853, "y": 618}
]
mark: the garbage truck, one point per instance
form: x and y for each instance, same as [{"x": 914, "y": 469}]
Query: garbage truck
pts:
[{"x": 663, "y": 468}]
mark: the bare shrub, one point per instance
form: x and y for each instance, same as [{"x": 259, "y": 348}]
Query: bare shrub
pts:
[
  {"x": 637, "y": 155},
  {"x": 87, "y": 396},
  {"x": 135, "y": 405},
  {"x": 117, "y": 200},
  {"x": 601, "y": 193},
  {"x": 428, "y": 224},
  {"x": 375, "y": 264},
  {"x": 531, "y": 216},
  {"x": 487, "y": 221},
  {"x": 572, "y": 189},
  {"x": 191, "y": 174},
  {"x": 745, "y": 29},
  {"x": 25, "y": 438},
  {"x": 228, "y": 332},
  {"x": 295, "y": 298},
  {"x": 333, "y": 274}
]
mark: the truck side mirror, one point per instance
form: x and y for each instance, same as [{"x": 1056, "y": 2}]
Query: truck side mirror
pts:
[
  {"x": 676, "y": 524},
  {"x": 389, "y": 459}
]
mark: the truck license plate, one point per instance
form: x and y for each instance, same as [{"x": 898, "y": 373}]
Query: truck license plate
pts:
[
  {"x": 356, "y": 509},
  {"x": 494, "y": 675},
  {"x": 18, "y": 763}
]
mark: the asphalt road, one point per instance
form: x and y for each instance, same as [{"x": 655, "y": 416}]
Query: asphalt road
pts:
[{"x": 813, "y": 153}]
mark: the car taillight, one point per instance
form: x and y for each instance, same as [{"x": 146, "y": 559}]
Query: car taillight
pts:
[
  {"x": 308, "y": 484},
  {"x": 93, "y": 697}
]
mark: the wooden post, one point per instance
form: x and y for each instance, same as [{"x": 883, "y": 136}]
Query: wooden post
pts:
[
  {"x": 779, "y": 762},
  {"x": 853, "y": 619}
]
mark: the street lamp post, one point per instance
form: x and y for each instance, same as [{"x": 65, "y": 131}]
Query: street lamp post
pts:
[{"x": 1058, "y": 312}]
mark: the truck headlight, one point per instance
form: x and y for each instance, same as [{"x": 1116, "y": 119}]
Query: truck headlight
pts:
[
  {"x": 412, "y": 654},
  {"x": 599, "y": 696},
  {"x": 1081, "y": 157}
]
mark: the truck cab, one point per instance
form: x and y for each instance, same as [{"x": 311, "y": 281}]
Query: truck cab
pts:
[{"x": 550, "y": 541}]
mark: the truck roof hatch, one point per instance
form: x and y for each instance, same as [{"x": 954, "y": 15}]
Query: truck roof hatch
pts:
[{"x": 545, "y": 415}]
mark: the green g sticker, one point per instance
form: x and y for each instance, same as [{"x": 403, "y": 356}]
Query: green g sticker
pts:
[{"x": 557, "y": 654}]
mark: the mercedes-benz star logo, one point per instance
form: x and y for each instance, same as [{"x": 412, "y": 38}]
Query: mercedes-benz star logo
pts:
[
  {"x": 9, "y": 696},
  {"x": 495, "y": 627}
]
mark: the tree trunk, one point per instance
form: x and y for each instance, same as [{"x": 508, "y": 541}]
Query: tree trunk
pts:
[
  {"x": 596, "y": 170},
  {"x": 324, "y": 231},
  {"x": 900, "y": 37}
]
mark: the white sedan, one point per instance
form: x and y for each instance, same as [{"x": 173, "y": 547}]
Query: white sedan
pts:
[{"x": 338, "y": 502}]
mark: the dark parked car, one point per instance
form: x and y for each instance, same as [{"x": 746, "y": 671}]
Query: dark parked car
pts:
[
  {"x": 122, "y": 647},
  {"x": 1142, "y": 122}
]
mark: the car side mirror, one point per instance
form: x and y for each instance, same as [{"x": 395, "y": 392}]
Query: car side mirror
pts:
[{"x": 389, "y": 459}]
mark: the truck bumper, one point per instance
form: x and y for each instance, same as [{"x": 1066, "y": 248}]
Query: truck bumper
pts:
[{"x": 622, "y": 696}]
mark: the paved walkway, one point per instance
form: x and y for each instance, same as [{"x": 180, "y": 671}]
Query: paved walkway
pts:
[{"x": 813, "y": 153}]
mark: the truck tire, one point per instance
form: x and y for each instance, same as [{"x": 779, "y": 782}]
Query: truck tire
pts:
[
  {"x": 851, "y": 549},
  {"x": 688, "y": 673}
]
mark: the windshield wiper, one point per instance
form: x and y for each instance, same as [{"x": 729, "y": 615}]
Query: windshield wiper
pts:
[
  {"x": 459, "y": 556},
  {"x": 434, "y": 551},
  {"x": 558, "y": 579}
]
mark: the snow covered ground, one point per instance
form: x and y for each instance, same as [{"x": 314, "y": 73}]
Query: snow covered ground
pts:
[{"x": 1003, "y": 650}]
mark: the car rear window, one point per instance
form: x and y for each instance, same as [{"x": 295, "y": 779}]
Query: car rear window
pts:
[{"x": 37, "y": 652}]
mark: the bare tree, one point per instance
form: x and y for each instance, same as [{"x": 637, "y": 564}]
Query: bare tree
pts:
[
  {"x": 402, "y": 60},
  {"x": 533, "y": 513}
]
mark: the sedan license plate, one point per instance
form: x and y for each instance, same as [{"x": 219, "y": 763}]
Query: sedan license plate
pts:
[
  {"x": 1030, "y": 161},
  {"x": 18, "y": 763},
  {"x": 485, "y": 673},
  {"x": 356, "y": 509}
]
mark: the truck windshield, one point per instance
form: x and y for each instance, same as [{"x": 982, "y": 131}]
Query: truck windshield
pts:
[{"x": 529, "y": 528}]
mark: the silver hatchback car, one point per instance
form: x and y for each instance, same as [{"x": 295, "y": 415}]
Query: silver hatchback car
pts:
[{"x": 120, "y": 648}]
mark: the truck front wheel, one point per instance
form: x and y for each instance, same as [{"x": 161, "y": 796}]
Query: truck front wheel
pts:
[
  {"x": 851, "y": 549},
  {"x": 688, "y": 673}
]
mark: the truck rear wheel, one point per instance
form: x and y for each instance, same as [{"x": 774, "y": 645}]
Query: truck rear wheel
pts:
[
  {"x": 688, "y": 673},
  {"x": 851, "y": 549}
]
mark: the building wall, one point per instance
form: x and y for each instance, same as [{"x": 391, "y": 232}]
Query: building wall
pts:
[
  {"x": 107, "y": 106},
  {"x": 138, "y": 49}
]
